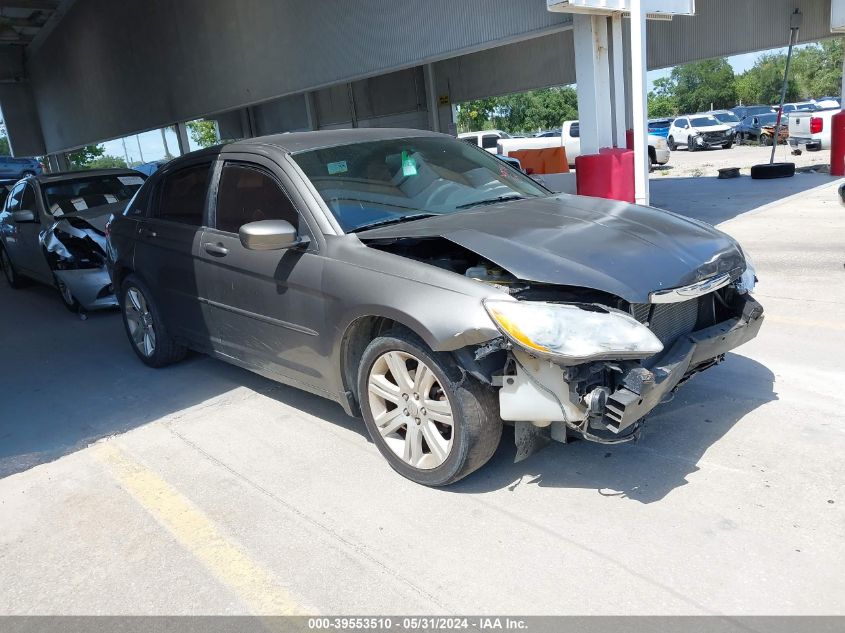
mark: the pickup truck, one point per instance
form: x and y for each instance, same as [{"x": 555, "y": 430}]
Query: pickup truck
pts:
[
  {"x": 811, "y": 129},
  {"x": 570, "y": 139}
]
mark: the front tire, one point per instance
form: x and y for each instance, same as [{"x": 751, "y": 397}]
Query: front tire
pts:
[
  {"x": 670, "y": 142},
  {"x": 727, "y": 145},
  {"x": 66, "y": 295},
  {"x": 690, "y": 144},
  {"x": 145, "y": 328},
  {"x": 12, "y": 276},
  {"x": 432, "y": 422}
]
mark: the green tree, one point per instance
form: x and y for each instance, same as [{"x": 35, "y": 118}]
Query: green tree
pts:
[
  {"x": 661, "y": 100},
  {"x": 203, "y": 132},
  {"x": 521, "y": 112},
  {"x": 5, "y": 150},
  {"x": 818, "y": 69},
  {"x": 81, "y": 158},
  {"x": 106, "y": 162},
  {"x": 762, "y": 82},
  {"x": 701, "y": 85}
]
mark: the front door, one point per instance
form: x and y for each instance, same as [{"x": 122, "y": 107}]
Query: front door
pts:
[{"x": 266, "y": 307}]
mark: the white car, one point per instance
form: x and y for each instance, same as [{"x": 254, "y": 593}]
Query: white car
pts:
[
  {"x": 699, "y": 131},
  {"x": 570, "y": 139},
  {"x": 486, "y": 139}
]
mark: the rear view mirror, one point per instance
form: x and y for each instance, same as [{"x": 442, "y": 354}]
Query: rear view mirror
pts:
[
  {"x": 23, "y": 216},
  {"x": 269, "y": 235}
]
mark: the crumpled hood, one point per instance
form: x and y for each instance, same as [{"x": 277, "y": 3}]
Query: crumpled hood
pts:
[
  {"x": 712, "y": 128},
  {"x": 616, "y": 247}
]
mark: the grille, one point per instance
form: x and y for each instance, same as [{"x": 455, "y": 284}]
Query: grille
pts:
[
  {"x": 669, "y": 320},
  {"x": 714, "y": 136}
]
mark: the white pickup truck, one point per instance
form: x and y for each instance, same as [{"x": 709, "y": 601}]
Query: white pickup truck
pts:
[
  {"x": 811, "y": 129},
  {"x": 570, "y": 139}
]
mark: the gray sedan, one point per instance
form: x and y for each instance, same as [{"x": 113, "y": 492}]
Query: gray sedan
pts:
[
  {"x": 429, "y": 287},
  {"x": 52, "y": 231}
]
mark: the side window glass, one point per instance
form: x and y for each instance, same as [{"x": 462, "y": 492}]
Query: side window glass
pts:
[
  {"x": 14, "y": 202},
  {"x": 575, "y": 130},
  {"x": 489, "y": 141},
  {"x": 247, "y": 194},
  {"x": 182, "y": 195},
  {"x": 28, "y": 199}
]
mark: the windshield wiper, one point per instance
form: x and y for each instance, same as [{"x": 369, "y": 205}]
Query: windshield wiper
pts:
[
  {"x": 489, "y": 201},
  {"x": 396, "y": 220}
]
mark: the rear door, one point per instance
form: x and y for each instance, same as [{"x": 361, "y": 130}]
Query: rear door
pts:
[
  {"x": 167, "y": 246},
  {"x": 266, "y": 307}
]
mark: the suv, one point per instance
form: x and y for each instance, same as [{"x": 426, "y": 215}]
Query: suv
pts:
[
  {"x": 486, "y": 139},
  {"x": 699, "y": 131},
  {"x": 11, "y": 167}
]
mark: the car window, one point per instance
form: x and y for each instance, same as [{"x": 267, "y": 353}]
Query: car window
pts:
[
  {"x": 15, "y": 195},
  {"x": 373, "y": 182},
  {"x": 575, "y": 130},
  {"x": 704, "y": 121},
  {"x": 489, "y": 141},
  {"x": 182, "y": 195},
  {"x": 28, "y": 199},
  {"x": 658, "y": 125},
  {"x": 86, "y": 192},
  {"x": 248, "y": 194}
]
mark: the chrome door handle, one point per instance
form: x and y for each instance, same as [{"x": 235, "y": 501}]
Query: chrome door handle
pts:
[
  {"x": 215, "y": 249},
  {"x": 146, "y": 232}
]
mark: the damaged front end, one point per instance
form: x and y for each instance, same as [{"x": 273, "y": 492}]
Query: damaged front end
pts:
[
  {"x": 574, "y": 361},
  {"x": 75, "y": 248}
]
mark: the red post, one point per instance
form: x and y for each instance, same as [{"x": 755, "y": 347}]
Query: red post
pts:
[{"x": 837, "y": 144}]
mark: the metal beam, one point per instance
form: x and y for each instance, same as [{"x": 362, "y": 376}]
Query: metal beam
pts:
[{"x": 638, "y": 98}]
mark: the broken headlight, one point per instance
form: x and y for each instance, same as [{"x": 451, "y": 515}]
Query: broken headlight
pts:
[
  {"x": 748, "y": 280},
  {"x": 574, "y": 332}
]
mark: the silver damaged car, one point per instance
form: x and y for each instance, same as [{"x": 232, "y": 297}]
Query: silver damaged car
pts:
[{"x": 428, "y": 287}]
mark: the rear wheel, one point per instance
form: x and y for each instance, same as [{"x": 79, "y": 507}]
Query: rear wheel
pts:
[
  {"x": 670, "y": 142},
  {"x": 766, "y": 140},
  {"x": 432, "y": 422},
  {"x": 66, "y": 295},
  {"x": 144, "y": 326},
  {"x": 9, "y": 272}
]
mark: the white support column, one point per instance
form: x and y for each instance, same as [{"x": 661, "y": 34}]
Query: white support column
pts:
[
  {"x": 311, "y": 111},
  {"x": 592, "y": 76},
  {"x": 431, "y": 98},
  {"x": 638, "y": 98},
  {"x": 843, "y": 80},
  {"x": 619, "y": 104},
  {"x": 182, "y": 137}
]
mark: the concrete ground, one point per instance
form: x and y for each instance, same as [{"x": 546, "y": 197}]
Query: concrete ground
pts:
[
  {"x": 683, "y": 163},
  {"x": 202, "y": 488}
]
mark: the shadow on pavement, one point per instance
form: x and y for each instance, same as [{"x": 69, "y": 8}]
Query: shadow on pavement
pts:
[
  {"x": 675, "y": 438},
  {"x": 716, "y": 201}
]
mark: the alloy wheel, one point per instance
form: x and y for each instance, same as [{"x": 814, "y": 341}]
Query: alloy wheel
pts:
[
  {"x": 67, "y": 295},
  {"x": 139, "y": 320},
  {"x": 411, "y": 410}
]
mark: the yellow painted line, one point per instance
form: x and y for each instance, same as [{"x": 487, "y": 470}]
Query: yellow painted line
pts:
[
  {"x": 198, "y": 534},
  {"x": 788, "y": 320}
]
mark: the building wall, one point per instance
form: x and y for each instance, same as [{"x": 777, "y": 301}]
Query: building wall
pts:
[{"x": 113, "y": 68}]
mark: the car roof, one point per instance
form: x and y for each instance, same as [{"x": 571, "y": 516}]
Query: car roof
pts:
[
  {"x": 293, "y": 142},
  {"x": 83, "y": 173}
]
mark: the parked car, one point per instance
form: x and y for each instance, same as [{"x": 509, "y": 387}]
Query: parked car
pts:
[
  {"x": 804, "y": 106},
  {"x": 827, "y": 103},
  {"x": 698, "y": 132},
  {"x": 811, "y": 129},
  {"x": 17, "y": 168},
  {"x": 424, "y": 285},
  {"x": 486, "y": 139},
  {"x": 659, "y": 127},
  {"x": 148, "y": 169},
  {"x": 725, "y": 116},
  {"x": 570, "y": 139},
  {"x": 744, "y": 111},
  {"x": 548, "y": 133},
  {"x": 52, "y": 231},
  {"x": 751, "y": 127}
]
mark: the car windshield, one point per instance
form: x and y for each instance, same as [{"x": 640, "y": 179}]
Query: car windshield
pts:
[
  {"x": 703, "y": 121},
  {"x": 70, "y": 196},
  {"x": 726, "y": 117},
  {"x": 378, "y": 182},
  {"x": 767, "y": 119},
  {"x": 659, "y": 125}
]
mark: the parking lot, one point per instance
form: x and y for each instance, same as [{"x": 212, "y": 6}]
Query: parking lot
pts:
[{"x": 203, "y": 488}]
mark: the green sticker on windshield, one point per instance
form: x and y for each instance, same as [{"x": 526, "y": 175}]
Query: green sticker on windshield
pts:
[
  {"x": 337, "y": 168},
  {"x": 409, "y": 166}
]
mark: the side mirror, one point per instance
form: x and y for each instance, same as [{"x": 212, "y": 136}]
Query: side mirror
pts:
[
  {"x": 22, "y": 217},
  {"x": 269, "y": 235}
]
